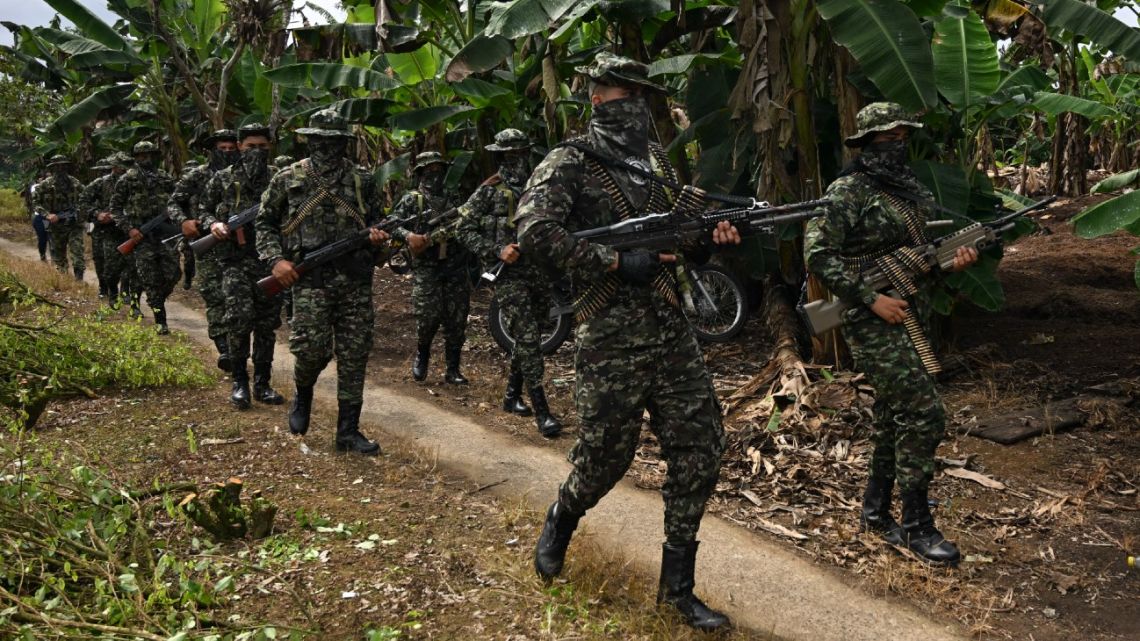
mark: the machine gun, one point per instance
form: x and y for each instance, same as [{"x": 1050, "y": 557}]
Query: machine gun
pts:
[
  {"x": 235, "y": 224},
  {"x": 824, "y": 315},
  {"x": 147, "y": 228}
]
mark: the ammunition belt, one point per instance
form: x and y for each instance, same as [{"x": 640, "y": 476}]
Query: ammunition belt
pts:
[{"x": 309, "y": 206}]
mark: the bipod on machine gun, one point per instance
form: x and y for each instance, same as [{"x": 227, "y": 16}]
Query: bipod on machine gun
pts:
[{"x": 825, "y": 315}]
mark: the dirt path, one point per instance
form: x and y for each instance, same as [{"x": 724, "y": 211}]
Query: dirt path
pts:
[{"x": 762, "y": 585}]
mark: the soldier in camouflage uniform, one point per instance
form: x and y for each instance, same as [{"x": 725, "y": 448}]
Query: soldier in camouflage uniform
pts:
[
  {"x": 189, "y": 261},
  {"x": 95, "y": 204},
  {"x": 312, "y": 203},
  {"x": 140, "y": 195},
  {"x": 102, "y": 169},
  {"x": 486, "y": 227},
  {"x": 281, "y": 162},
  {"x": 57, "y": 199},
  {"x": 183, "y": 208},
  {"x": 441, "y": 286},
  {"x": 877, "y": 208},
  {"x": 248, "y": 310},
  {"x": 635, "y": 349}
]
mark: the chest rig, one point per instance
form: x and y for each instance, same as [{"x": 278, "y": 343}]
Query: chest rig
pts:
[
  {"x": 601, "y": 291},
  {"x": 901, "y": 266},
  {"x": 320, "y": 192}
]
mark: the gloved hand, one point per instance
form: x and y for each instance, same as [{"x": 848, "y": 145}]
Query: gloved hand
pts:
[{"x": 638, "y": 266}]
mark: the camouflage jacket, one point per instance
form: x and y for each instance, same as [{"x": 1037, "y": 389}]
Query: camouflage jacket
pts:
[
  {"x": 55, "y": 197},
  {"x": 139, "y": 196},
  {"x": 421, "y": 208},
  {"x": 183, "y": 203},
  {"x": 96, "y": 197},
  {"x": 486, "y": 222},
  {"x": 284, "y": 230},
  {"x": 228, "y": 192},
  {"x": 860, "y": 221}
]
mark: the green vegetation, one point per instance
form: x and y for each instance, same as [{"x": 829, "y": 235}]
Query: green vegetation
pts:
[{"x": 12, "y": 206}]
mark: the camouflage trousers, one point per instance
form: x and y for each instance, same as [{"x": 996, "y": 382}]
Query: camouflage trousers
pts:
[
  {"x": 67, "y": 239},
  {"x": 209, "y": 280},
  {"x": 247, "y": 308},
  {"x": 109, "y": 263},
  {"x": 524, "y": 298},
  {"x": 156, "y": 271},
  {"x": 909, "y": 418},
  {"x": 335, "y": 319},
  {"x": 614, "y": 387},
  {"x": 441, "y": 296}
]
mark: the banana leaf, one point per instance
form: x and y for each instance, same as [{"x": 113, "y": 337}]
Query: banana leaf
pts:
[
  {"x": 965, "y": 60},
  {"x": 980, "y": 284},
  {"x": 524, "y": 17},
  {"x": 948, "y": 183},
  {"x": 1108, "y": 217},
  {"x": 482, "y": 53},
  {"x": 1116, "y": 182},
  {"x": 418, "y": 119},
  {"x": 1056, "y": 103},
  {"x": 89, "y": 24},
  {"x": 329, "y": 76},
  {"x": 87, "y": 110},
  {"x": 414, "y": 67},
  {"x": 1086, "y": 20}
]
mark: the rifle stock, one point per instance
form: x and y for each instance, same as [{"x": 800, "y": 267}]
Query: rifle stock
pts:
[
  {"x": 128, "y": 246},
  {"x": 236, "y": 222}
]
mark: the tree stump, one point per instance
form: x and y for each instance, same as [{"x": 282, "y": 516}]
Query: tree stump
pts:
[{"x": 220, "y": 512}]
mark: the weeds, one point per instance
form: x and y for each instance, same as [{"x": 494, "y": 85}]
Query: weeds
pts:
[{"x": 12, "y": 206}]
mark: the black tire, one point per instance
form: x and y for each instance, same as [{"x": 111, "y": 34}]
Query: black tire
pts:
[
  {"x": 719, "y": 316},
  {"x": 555, "y": 330}
]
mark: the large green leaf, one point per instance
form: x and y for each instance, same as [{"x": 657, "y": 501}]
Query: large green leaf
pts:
[
  {"x": 480, "y": 93},
  {"x": 1057, "y": 103},
  {"x": 87, "y": 110},
  {"x": 392, "y": 169},
  {"x": 965, "y": 60},
  {"x": 330, "y": 75},
  {"x": 414, "y": 67},
  {"x": 89, "y": 24},
  {"x": 890, "y": 45},
  {"x": 980, "y": 284},
  {"x": 418, "y": 119},
  {"x": 1086, "y": 20},
  {"x": 481, "y": 53},
  {"x": 1116, "y": 182},
  {"x": 1109, "y": 216},
  {"x": 948, "y": 183},
  {"x": 682, "y": 63},
  {"x": 524, "y": 17}
]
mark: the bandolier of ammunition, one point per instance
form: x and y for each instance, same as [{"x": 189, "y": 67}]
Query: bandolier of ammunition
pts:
[
  {"x": 601, "y": 291},
  {"x": 901, "y": 266},
  {"x": 323, "y": 192}
]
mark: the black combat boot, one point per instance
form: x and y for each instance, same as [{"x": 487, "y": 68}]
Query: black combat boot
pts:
[
  {"x": 188, "y": 270},
  {"x": 420, "y": 364},
  {"x": 160, "y": 320},
  {"x": 550, "y": 552},
  {"x": 78, "y": 274},
  {"x": 348, "y": 436},
  {"x": 548, "y": 426},
  {"x": 453, "y": 375},
  {"x": 512, "y": 400},
  {"x": 876, "y": 516},
  {"x": 261, "y": 389},
  {"x": 919, "y": 533},
  {"x": 112, "y": 295},
  {"x": 676, "y": 587},
  {"x": 300, "y": 410},
  {"x": 136, "y": 311},
  {"x": 239, "y": 353},
  {"x": 223, "y": 347},
  {"x": 102, "y": 288}
]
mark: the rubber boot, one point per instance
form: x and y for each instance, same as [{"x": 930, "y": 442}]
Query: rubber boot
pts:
[
  {"x": 102, "y": 289},
  {"x": 348, "y": 436},
  {"x": 512, "y": 400},
  {"x": 136, "y": 311},
  {"x": 548, "y": 426},
  {"x": 160, "y": 320},
  {"x": 188, "y": 270},
  {"x": 300, "y": 410},
  {"x": 262, "y": 392},
  {"x": 921, "y": 536},
  {"x": 223, "y": 347},
  {"x": 550, "y": 551},
  {"x": 876, "y": 516},
  {"x": 239, "y": 353},
  {"x": 453, "y": 375},
  {"x": 420, "y": 363},
  {"x": 78, "y": 274},
  {"x": 676, "y": 587},
  {"x": 113, "y": 295}
]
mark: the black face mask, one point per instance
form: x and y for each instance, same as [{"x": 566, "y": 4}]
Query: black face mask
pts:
[
  {"x": 255, "y": 164},
  {"x": 514, "y": 170},
  {"x": 887, "y": 154},
  {"x": 621, "y": 127},
  {"x": 327, "y": 152},
  {"x": 147, "y": 163},
  {"x": 432, "y": 182},
  {"x": 221, "y": 159}
]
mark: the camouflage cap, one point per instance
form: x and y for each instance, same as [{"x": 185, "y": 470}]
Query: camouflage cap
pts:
[
  {"x": 428, "y": 158},
  {"x": 254, "y": 129},
  {"x": 614, "y": 70},
  {"x": 57, "y": 160},
  {"x": 120, "y": 159},
  {"x": 144, "y": 147},
  {"x": 102, "y": 165},
  {"x": 326, "y": 122},
  {"x": 192, "y": 163},
  {"x": 879, "y": 117},
  {"x": 282, "y": 162},
  {"x": 509, "y": 140},
  {"x": 221, "y": 135}
]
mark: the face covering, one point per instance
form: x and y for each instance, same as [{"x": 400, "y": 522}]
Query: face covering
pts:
[
  {"x": 620, "y": 128},
  {"x": 327, "y": 152},
  {"x": 255, "y": 164},
  {"x": 432, "y": 182},
  {"x": 147, "y": 163},
  {"x": 514, "y": 170},
  {"x": 889, "y": 155},
  {"x": 221, "y": 159}
]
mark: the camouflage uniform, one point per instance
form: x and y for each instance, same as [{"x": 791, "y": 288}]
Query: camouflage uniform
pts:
[
  {"x": 140, "y": 195},
  {"x": 441, "y": 286},
  {"x": 56, "y": 194},
  {"x": 332, "y": 305},
  {"x": 486, "y": 226},
  {"x": 247, "y": 309},
  {"x": 106, "y": 237},
  {"x": 866, "y": 218},
  {"x": 183, "y": 206}
]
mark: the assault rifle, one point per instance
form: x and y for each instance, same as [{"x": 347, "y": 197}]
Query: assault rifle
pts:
[
  {"x": 235, "y": 224},
  {"x": 65, "y": 216},
  {"x": 824, "y": 315},
  {"x": 150, "y": 226},
  {"x": 330, "y": 252}
]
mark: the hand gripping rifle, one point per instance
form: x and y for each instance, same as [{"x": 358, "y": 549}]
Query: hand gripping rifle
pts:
[
  {"x": 147, "y": 228},
  {"x": 330, "y": 252},
  {"x": 235, "y": 224},
  {"x": 65, "y": 216},
  {"x": 824, "y": 315}
]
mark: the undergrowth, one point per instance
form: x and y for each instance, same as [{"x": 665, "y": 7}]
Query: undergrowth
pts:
[{"x": 12, "y": 205}]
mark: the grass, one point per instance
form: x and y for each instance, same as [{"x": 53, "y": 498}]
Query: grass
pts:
[{"x": 12, "y": 206}]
